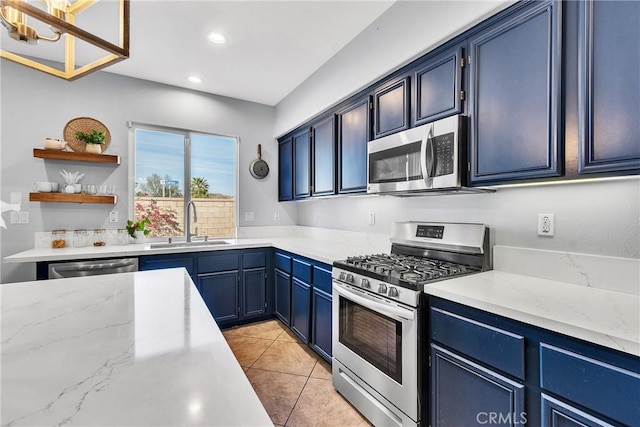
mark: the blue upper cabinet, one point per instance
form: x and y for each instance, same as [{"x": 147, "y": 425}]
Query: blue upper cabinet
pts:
[
  {"x": 609, "y": 79},
  {"x": 514, "y": 96},
  {"x": 391, "y": 107},
  {"x": 324, "y": 157},
  {"x": 353, "y": 137},
  {"x": 302, "y": 164},
  {"x": 285, "y": 170},
  {"x": 437, "y": 91}
]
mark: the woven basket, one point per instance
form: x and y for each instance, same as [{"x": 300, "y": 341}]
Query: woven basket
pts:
[{"x": 84, "y": 124}]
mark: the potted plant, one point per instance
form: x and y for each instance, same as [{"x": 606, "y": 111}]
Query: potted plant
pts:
[
  {"x": 138, "y": 229},
  {"x": 94, "y": 140}
]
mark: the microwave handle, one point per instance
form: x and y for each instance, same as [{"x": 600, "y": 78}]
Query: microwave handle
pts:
[{"x": 426, "y": 149}]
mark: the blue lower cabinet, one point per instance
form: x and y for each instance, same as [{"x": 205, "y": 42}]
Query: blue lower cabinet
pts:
[
  {"x": 300, "y": 308},
  {"x": 321, "y": 323},
  {"x": 157, "y": 262},
  {"x": 465, "y": 393},
  {"x": 254, "y": 292},
  {"x": 283, "y": 296},
  {"x": 485, "y": 366},
  {"x": 591, "y": 383},
  {"x": 556, "y": 413},
  {"x": 220, "y": 292}
]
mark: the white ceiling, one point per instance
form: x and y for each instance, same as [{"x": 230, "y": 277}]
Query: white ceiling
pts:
[{"x": 272, "y": 46}]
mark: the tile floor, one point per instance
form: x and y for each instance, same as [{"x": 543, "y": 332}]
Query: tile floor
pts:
[{"x": 291, "y": 380}]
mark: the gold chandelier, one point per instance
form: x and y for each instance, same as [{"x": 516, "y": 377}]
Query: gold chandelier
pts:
[{"x": 60, "y": 16}]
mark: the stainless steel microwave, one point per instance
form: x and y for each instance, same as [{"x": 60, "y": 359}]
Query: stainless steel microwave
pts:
[{"x": 424, "y": 158}]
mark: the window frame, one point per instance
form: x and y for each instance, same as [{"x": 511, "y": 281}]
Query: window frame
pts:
[{"x": 187, "y": 133}]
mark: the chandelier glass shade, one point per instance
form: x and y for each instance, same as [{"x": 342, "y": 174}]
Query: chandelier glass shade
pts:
[{"x": 60, "y": 16}]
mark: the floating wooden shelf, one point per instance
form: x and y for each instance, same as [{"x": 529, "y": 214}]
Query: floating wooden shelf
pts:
[
  {"x": 73, "y": 156},
  {"x": 73, "y": 198}
]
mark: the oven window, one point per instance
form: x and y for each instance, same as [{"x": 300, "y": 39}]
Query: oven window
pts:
[{"x": 372, "y": 336}]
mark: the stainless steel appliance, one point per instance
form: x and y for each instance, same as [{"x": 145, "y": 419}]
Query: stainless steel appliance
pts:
[
  {"x": 431, "y": 157},
  {"x": 377, "y": 314},
  {"x": 92, "y": 267}
]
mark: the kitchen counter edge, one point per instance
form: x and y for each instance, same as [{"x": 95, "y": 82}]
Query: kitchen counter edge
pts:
[{"x": 598, "y": 316}]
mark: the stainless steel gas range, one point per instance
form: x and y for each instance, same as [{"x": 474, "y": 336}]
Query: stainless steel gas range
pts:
[{"x": 377, "y": 315}]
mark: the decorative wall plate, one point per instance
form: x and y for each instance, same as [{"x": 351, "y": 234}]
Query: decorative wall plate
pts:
[{"x": 84, "y": 124}]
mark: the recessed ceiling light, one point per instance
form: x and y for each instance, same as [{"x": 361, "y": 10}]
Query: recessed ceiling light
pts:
[
  {"x": 216, "y": 38},
  {"x": 194, "y": 79}
]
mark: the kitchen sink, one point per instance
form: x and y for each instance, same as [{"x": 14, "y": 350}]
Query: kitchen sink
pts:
[{"x": 198, "y": 243}]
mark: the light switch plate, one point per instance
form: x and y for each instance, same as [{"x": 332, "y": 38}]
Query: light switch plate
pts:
[{"x": 249, "y": 216}]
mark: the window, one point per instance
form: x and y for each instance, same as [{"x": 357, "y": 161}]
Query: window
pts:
[{"x": 172, "y": 167}]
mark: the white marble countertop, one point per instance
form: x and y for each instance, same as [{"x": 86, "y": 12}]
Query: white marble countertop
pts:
[
  {"x": 318, "y": 249},
  {"x": 604, "y": 317},
  {"x": 134, "y": 349}
]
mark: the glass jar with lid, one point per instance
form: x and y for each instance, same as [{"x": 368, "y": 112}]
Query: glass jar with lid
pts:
[
  {"x": 80, "y": 238},
  {"x": 58, "y": 239},
  {"x": 99, "y": 237},
  {"x": 122, "y": 236}
]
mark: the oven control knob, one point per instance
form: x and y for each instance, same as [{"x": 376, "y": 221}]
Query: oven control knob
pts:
[
  {"x": 365, "y": 283},
  {"x": 343, "y": 275},
  {"x": 393, "y": 292},
  {"x": 382, "y": 288},
  {"x": 350, "y": 278}
]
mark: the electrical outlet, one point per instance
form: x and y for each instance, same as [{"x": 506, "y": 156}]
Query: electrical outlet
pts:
[
  {"x": 113, "y": 216},
  {"x": 546, "y": 226},
  {"x": 276, "y": 215},
  {"x": 15, "y": 217},
  {"x": 372, "y": 218},
  {"x": 249, "y": 216}
]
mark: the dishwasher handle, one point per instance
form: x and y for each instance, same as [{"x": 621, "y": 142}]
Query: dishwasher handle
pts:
[{"x": 92, "y": 268}]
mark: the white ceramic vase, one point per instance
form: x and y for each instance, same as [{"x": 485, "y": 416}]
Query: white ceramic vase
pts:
[{"x": 94, "y": 148}]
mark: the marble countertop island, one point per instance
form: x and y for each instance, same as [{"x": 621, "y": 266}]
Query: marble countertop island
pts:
[{"x": 134, "y": 349}]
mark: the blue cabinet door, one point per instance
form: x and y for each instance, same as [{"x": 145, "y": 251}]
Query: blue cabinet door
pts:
[
  {"x": 324, "y": 157},
  {"x": 353, "y": 137},
  {"x": 467, "y": 394},
  {"x": 156, "y": 262},
  {"x": 391, "y": 107},
  {"x": 437, "y": 91},
  {"x": 254, "y": 292},
  {"x": 609, "y": 78},
  {"x": 321, "y": 323},
  {"x": 556, "y": 413},
  {"x": 301, "y": 165},
  {"x": 220, "y": 292},
  {"x": 283, "y": 296},
  {"x": 514, "y": 96},
  {"x": 300, "y": 308},
  {"x": 285, "y": 170}
]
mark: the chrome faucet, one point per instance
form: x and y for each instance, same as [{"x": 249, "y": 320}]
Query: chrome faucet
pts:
[{"x": 188, "y": 220}]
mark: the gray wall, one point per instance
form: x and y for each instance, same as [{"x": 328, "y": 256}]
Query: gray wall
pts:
[
  {"x": 35, "y": 105},
  {"x": 597, "y": 217}
]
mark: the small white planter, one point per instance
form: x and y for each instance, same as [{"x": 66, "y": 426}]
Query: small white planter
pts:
[{"x": 94, "y": 148}]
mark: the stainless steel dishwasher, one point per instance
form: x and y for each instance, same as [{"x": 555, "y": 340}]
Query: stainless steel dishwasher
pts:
[{"x": 92, "y": 267}]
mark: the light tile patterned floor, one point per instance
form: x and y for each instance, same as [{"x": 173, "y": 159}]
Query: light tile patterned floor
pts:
[{"x": 291, "y": 380}]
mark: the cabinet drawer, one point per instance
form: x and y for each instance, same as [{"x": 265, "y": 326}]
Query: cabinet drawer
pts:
[
  {"x": 302, "y": 270},
  {"x": 215, "y": 263},
  {"x": 587, "y": 382},
  {"x": 283, "y": 262},
  {"x": 322, "y": 279},
  {"x": 495, "y": 347},
  {"x": 254, "y": 259}
]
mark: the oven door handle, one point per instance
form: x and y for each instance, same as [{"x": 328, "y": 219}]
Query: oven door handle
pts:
[{"x": 395, "y": 313}]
